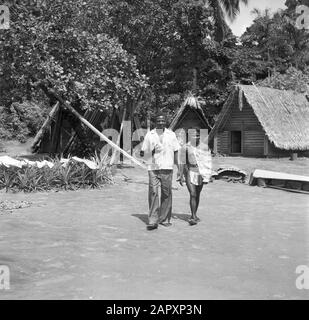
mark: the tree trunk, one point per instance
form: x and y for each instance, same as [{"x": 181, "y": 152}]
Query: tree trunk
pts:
[{"x": 194, "y": 82}]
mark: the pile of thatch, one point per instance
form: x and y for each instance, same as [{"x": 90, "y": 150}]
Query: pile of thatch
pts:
[{"x": 193, "y": 101}]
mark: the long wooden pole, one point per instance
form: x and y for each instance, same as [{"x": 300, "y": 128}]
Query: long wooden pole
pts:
[
  {"x": 41, "y": 132},
  {"x": 101, "y": 135},
  {"x": 92, "y": 128}
]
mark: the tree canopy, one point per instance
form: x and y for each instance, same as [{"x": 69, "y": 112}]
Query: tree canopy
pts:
[
  {"x": 104, "y": 53},
  {"x": 64, "y": 45}
]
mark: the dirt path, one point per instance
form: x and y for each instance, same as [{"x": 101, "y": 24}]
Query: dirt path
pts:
[{"x": 94, "y": 245}]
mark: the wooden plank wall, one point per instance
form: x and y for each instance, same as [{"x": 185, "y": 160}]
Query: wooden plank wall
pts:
[
  {"x": 242, "y": 120},
  {"x": 223, "y": 142},
  {"x": 254, "y": 143},
  {"x": 246, "y": 121}
]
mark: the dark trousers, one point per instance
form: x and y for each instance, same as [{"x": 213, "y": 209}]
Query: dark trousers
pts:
[{"x": 160, "y": 179}]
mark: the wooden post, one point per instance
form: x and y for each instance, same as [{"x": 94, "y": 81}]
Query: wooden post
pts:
[
  {"x": 119, "y": 136},
  {"x": 294, "y": 156},
  {"x": 148, "y": 121},
  {"x": 40, "y": 134},
  {"x": 266, "y": 146},
  {"x": 194, "y": 82},
  {"x": 131, "y": 112},
  {"x": 56, "y": 134},
  {"x": 138, "y": 128},
  {"x": 216, "y": 144},
  {"x": 243, "y": 137}
]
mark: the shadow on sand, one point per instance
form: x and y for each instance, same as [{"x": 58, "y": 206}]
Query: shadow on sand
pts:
[
  {"x": 175, "y": 216},
  {"x": 181, "y": 216},
  {"x": 142, "y": 217}
]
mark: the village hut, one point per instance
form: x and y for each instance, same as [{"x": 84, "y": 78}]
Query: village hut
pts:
[
  {"x": 190, "y": 115},
  {"x": 262, "y": 122},
  {"x": 63, "y": 132}
]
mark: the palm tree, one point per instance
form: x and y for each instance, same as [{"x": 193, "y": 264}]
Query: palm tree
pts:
[{"x": 222, "y": 8}]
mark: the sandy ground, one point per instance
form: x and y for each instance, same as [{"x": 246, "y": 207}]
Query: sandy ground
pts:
[{"x": 94, "y": 245}]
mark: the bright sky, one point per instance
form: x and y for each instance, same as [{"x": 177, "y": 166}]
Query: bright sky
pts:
[{"x": 245, "y": 18}]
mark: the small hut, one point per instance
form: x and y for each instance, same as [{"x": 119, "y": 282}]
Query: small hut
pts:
[
  {"x": 190, "y": 115},
  {"x": 63, "y": 133},
  {"x": 262, "y": 122}
]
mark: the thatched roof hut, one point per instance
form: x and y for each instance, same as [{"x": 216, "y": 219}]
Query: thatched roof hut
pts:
[
  {"x": 260, "y": 121},
  {"x": 189, "y": 115}
]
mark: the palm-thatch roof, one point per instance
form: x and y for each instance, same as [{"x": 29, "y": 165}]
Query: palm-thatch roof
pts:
[
  {"x": 284, "y": 115},
  {"x": 190, "y": 103}
]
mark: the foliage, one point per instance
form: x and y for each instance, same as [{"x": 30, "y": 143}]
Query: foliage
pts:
[
  {"x": 222, "y": 8},
  {"x": 101, "y": 54},
  {"x": 62, "y": 48},
  {"x": 277, "y": 40},
  {"x": 72, "y": 176},
  {"x": 95, "y": 49},
  {"x": 292, "y": 79},
  {"x": 175, "y": 45},
  {"x": 21, "y": 120}
]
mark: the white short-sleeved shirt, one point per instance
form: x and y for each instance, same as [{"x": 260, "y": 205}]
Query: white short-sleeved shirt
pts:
[{"x": 163, "y": 159}]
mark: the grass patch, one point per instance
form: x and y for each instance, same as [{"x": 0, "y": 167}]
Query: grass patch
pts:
[{"x": 70, "y": 176}]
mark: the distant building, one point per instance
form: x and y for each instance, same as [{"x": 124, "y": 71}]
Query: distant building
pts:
[
  {"x": 190, "y": 115},
  {"x": 262, "y": 122}
]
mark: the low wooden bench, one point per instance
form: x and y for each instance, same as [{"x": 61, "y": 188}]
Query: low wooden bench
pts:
[{"x": 280, "y": 181}]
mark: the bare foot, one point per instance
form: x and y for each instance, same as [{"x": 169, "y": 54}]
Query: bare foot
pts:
[{"x": 192, "y": 222}]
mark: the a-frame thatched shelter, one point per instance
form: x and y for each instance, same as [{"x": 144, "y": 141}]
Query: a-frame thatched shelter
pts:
[
  {"x": 190, "y": 115},
  {"x": 62, "y": 133},
  {"x": 68, "y": 130},
  {"x": 260, "y": 121}
]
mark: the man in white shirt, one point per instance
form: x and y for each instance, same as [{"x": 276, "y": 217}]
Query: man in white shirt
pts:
[{"x": 161, "y": 146}]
